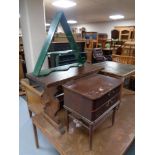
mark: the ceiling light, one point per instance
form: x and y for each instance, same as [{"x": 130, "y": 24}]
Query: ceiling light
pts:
[
  {"x": 116, "y": 17},
  {"x": 47, "y": 24},
  {"x": 64, "y": 3},
  {"x": 72, "y": 21}
]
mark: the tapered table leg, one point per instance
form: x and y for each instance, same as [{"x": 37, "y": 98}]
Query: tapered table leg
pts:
[
  {"x": 67, "y": 121},
  {"x": 113, "y": 116},
  {"x": 90, "y": 136},
  {"x": 35, "y": 136}
]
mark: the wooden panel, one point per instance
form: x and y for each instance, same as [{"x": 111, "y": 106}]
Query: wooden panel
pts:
[
  {"x": 123, "y": 59},
  {"x": 59, "y": 77},
  {"x": 89, "y": 95},
  {"x": 107, "y": 139},
  {"x": 35, "y": 98}
]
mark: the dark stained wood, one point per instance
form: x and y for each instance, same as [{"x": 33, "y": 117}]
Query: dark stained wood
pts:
[
  {"x": 92, "y": 95},
  {"x": 116, "y": 69},
  {"x": 60, "y": 77},
  {"x": 35, "y": 136},
  {"x": 52, "y": 81},
  {"x": 91, "y": 99},
  {"x": 107, "y": 139}
]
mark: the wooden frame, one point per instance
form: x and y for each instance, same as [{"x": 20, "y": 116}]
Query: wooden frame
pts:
[{"x": 35, "y": 98}]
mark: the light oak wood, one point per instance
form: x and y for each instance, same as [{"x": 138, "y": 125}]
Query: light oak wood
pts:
[
  {"x": 126, "y": 31},
  {"x": 123, "y": 59},
  {"x": 35, "y": 98},
  {"x": 108, "y": 140}
]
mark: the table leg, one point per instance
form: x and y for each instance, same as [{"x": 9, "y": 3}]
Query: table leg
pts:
[
  {"x": 30, "y": 113},
  {"x": 90, "y": 136},
  {"x": 67, "y": 121},
  {"x": 51, "y": 109},
  {"x": 35, "y": 136},
  {"x": 113, "y": 116}
]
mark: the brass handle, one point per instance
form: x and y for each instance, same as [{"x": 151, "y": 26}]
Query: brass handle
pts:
[{"x": 107, "y": 105}]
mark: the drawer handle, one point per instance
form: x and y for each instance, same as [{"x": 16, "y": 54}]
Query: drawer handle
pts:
[{"x": 107, "y": 105}]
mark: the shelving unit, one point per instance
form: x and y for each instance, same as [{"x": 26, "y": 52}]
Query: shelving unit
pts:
[{"x": 126, "y": 32}]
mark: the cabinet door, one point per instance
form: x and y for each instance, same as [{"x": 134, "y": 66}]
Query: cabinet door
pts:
[{"x": 125, "y": 34}]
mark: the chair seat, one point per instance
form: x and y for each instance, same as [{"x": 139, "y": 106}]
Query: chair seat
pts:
[{"x": 36, "y": 108}]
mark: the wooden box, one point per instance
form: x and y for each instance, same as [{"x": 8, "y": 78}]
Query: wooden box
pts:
[{"x": 91, "y": 96}]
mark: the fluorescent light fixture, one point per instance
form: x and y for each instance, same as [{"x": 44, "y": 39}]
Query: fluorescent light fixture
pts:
[
  {"x": 47, "y": 24},
  {"x": 64, "y": 3},
  {"x": 115, "y": 17},
  {"x": 72, "y": 21}
]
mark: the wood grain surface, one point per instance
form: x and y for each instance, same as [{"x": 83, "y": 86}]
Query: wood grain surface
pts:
[{"x": 107, "y": 139}]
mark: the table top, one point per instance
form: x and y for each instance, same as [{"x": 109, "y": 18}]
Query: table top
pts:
[
  {"x": 93, "y": 86},
  {"x": 60, "y": 77},
  {"x": 116, "y": 69},
  {"x": 107, "y": 139}
]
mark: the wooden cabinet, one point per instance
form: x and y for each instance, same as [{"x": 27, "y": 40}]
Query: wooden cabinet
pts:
[
  {"x": 92, "y": 95},
  {"x": 126, "y": 32},
  {"x": 102, "y": 37},
  {"x": 92, "y": 99},
  {"x": 91, "y": 39}
]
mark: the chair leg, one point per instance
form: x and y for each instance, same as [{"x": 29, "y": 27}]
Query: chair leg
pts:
[
  {"x": 35, "y": 136},
  {"x": 30, "y": 113}
]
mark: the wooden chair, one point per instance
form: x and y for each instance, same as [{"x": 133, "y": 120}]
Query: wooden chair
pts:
[
  {"x": 128, "y": 48},
  {"x": 35, "y": 98},
  {"x": 123, "y": 59}
]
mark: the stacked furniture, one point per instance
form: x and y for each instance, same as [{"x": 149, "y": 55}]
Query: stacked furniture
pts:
[{"x": 89, "y": 98}]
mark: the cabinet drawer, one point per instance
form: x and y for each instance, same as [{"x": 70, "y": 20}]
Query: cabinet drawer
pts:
[
  {"x": 106, "y": 97},
  {"x": 98, "y": 112}
]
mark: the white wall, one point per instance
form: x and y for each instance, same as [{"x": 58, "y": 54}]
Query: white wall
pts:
[
  {"x": 105, "y": 27},
  {"x": 33, "y": 30}
]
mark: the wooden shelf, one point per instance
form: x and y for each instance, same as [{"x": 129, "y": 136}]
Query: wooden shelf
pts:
[{"x": 126, "y": 31}]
